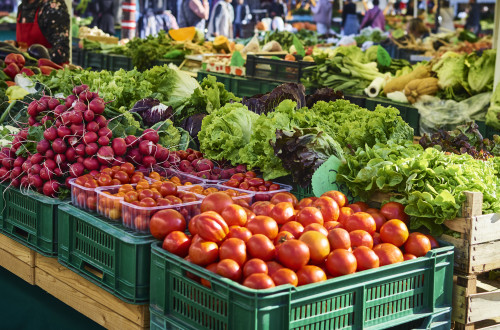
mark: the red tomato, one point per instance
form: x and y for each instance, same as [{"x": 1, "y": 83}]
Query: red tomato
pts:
[
  {"x": 203, "y": 252},
  {"x": 239, "y": 232},
  {"x": 177, "y": 243},
  {"x": 259, "y": 281},
  {"x": 293, "y": 254},
  {"x": 388, "y": 254},
  {"x": 337, "y": 196},
  {"x": 282, "y": 237},
  {"x": 293, "y": 227},
  {"x": 355, "y": 208},
  {"x": 305, "y": 202},
  {"x": 285, "y": 276},
  {"x": 250, "y": 214},
  {"x": 365, "y": 258},
  {"x": 273, "y": 267},
  {"x": 217, "y": 202},
  {"x": 344, "y": 214},
  {"x": 310, "y": 274},
  {"x": 230, "y": 269},
  {"x": 316, "y": 227},
  {"x": 260, "y": 246},
  {"x": 104, "y": 180},
  {"x": 235, "y": 249},
  {"x": 394, "y": 232},
  {"x": 361, "y": 238},
  {"x": 122, "y": 176},
  {"x": 284, "y": 197},
  {"x": 127, "y": 168},
  {"x": 234, "y": 215},
  {"x": 378, "y": 217},
  {"x": 328, "y": 207},
  {"x": 131, "y": 196},
  {"x": 213, "y": 269},
  {"x": 309, "y": 215},
  {"x": 318, "y": 245},
  {"x": 329, "y": 225},
  {"x": 434, "y": 242},
  {"x": 363, "y": 206},
  {"x": 417, "y": 244},
  {"x": 264, "y": 225},
  {"x": 251, "y": 174},
  {"x": 341, "y": 262},
  {"x": 211, "y": 226},
  {"x": 145, "y": 193},
  {"x": 282, "y": 212},
  {"x": 408, "y": 256},
  {"x": 361, "y": 220},
  {"x": 168, "y": 188},
  {"x": 262, "y": 208},
  {"x": 339, "y": 239},
  {"x": 394, "y": 210},
  {"x": 254, "y": 266},
  {"x": 376, "y": 239},
  {"x": 166, "y": 221},
  {"x": 192, "y": 225}
]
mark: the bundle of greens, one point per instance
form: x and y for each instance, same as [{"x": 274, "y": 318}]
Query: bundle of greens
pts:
[
  {"x": 465, "y": 139},
  {"x": 430, "y": 183}
]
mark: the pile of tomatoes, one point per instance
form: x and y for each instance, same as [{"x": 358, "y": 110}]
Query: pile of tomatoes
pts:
[
  {"x": 249, "y": 181},
  {"x": 284, "y": 241},
  {"x": 210, "y": 189}
]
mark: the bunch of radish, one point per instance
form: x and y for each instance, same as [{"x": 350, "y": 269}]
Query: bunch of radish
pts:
[{"x": 76, "y": 140}]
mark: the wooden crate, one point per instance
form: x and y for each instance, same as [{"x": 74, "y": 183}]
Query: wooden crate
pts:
[
  {"x": 476, "y": 302},
  {"x": 17, "y": 259},
  {"x": 87, "y": 298}
]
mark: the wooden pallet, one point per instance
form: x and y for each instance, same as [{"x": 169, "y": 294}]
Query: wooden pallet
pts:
[
  {"x": 17, "y": 259},
  {"x": 87, "y": 298}
]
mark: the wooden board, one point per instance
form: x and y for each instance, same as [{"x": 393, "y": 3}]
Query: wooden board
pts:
[
  {"x": 87, "y": 298},
  {"x": 17, "y": 259},
  {"x": 476, "y": 301}
]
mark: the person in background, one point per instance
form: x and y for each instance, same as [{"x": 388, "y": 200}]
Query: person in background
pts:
[
  {"x": 350, "y": 22},
  {"x": 242, "y": 16},
  {"x": 374, "y": 17},
  {"x": 473, "y": 22},
  {"x": 447, "y": 15},
  {"x": 278, "y": 14},
  {"x": 322, "y": 15},
  {"x": 417, "y": 29},
  {"x": 193, "y": 13},
  {"x": 105, "y": 19},
  {"x": 45, "y": 22},
  {"x": 221, "y": 21},
  {"x": 7, "y": 5}
]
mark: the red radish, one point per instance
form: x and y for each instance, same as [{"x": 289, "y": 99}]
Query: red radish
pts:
[
  {"x": 103, "y": 140},
  {"x": 24, "y": 180},
  {"x": 104, "y": 131},
  {"x": 93, "y": 126},
  {"x": 46, "y": 119},
  {"x": 31, "y": 121},
  {"x": 76, "y": 169},
  {"x": 35, "y": 169},
  {"x": 173, "y": 158},
  {"x": 86, "y": 97},
  {"x": 63, "y": 131},
  {"x": 119, "y": 146},
  {"x": 80, "y": 159},
  {"x": 70, "y": 155},
  {"x": 148, "y": 161},
  {"x": 105, "y": 155},
  {"x": 80, "y": 149},
  {"x": 101, "y": 121},
  {"x": 76, "y": 117},
  {"x": 77, "y": 129},
  {"x": 23, "y": 133},
  {"x": 88, "y": 115},
  {"x": 50, "y": 154},
  {"x": 50, "y": 164},
  {"x": 7, "y": 162},
  {"x": 66, "y": 117},
  {"x": 41, "y": 105},
  {"x": 204, "y": 165},
  {"x": 42, "y": 146},
  {"x": 51, "y": 188},
  {"x": 161, "y": 154},
  {"x": 97, "y": 105},
  {"x": 91, "y": 164},
  {"x": 90, "y": 137},
  {"x": 18, "y": 162},
  {"x": 118, "y": 161},
  {"x": 59, "y": 146},
  {"x": 58, "y": 123},
  {"x": 36, "y": 158},
  {"x": 27, "y": 166},
  {"x": 33, "y": 109},
  {"x": 15, "y": 172},
  {"x": 73, "y": 140},
  {"x": 66, "y": 182},
  {"x": 60, "y": 109},
  {"x": 58, "y": 172},
  {"x": 36, "y": 181},
  {"x": 53, "y": 103},
  {"x": 70, "y": 99},
  {"x": 15, "y": 182},
  {"x": 80, "y": 106},
  {"x": 132, "y": 141},
  {"x": 16, "y": 142},
  {"x": 151, "y": 135},
  {"x": 147, "y": 147},
  {"x": 241, "y": 168},
  {"x": 60, "y": 158},
  {"x": 78, "y": 89},
  {"x": 36, "y": 125},
  {"x": 135, "y": 156},
  {"x": 91, "y": 149}
]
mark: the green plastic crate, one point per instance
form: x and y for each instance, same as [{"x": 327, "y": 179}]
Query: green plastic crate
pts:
[
  {"x": 372, "y": 299},
  {"x": 117, "y": 62},
  {"x": 241, "y": 86},
  {"x": 31, "y": 219},
  {"x": 408, "y": 112},
  {"x": 77, "y": 55},
  {"x": 440, "y": 320},
  {"x": 95, "y": 61},
  {"x": 106, "y": 253},
  {"x": 359, "y": 100}
]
